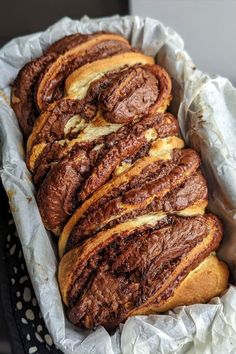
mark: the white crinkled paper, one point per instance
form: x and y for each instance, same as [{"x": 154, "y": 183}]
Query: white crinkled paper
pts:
[{"x": 206, "y": 109}]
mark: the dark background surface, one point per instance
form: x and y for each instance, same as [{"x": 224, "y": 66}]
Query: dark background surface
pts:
[{"x": 18, "y": 18}]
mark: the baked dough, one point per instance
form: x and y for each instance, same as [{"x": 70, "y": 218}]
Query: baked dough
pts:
[
  {"x": 115, "y": 182},
  {"x": 137, "y": 266}
]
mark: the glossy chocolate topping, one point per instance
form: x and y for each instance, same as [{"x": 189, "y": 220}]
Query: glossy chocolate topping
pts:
[
  {"x": 24, "y": 85},
  {"x": 114, "y": 180},
  {"x": 116, "y": 147},
  {"x": 53, "y": 89},
  {"x": 129, "y": 95},
  {"x": 110, "y": 214},
  {"x": 130, "y": 270},
  {"x": 101, "y": 160}
]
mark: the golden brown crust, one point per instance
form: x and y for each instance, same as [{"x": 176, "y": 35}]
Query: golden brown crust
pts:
[
  {"x": 22, "y": 98},
  {"x": 208, "y": 280},
  {"x": 161, "y": 150},
  {"x": 73, "y": 59},
  {"x": 72, "y": 179},
  {"x": 77, "y": 84},
  {"x": 74, "y": 263},
  {"x": 139, "y": 242}
]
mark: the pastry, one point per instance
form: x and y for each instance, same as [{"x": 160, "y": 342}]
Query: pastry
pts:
[
  {"x": 22, "y": 99},
  {"x": 81, "y": 123},
  {"x": 116, "y": 183},
  {"x": 40, "y": 81},
  {"x": 50, "y": 85},
  {"x": 86, "y": 170},
  {"x": 135, "y": 267}
]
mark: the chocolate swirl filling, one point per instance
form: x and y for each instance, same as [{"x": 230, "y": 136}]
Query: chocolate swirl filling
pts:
[
  {"x": 27, "y": 78},
  {"x": 131, "y": 268},
  {"x": 85, "y": 170}
]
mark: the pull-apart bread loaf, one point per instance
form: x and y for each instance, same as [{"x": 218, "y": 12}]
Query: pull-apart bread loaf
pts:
[
  {"x": 115, "y": 182},
  {"x": 41, "y": 81}
]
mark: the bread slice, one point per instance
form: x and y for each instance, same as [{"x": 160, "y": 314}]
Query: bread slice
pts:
[
  {"x": 78, "y": 292},
  {"x": 161, "y": 149},
  {"x": 206, "y": 281},
  {"x": 77, "y": 84},
  {"x": 76, "y": 57},
  {"x": 83, "y": 172},
  {"x": 22, "y": 98}
]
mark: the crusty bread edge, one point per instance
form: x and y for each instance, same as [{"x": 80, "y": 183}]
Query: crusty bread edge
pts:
[
  {"x": 208, "y": 280},
  {"x": 81, "y": 75},
  {"x": 77, "y": 257},
  {"x": 79, "y": 50},
  {"x": 175, "y": 142}
]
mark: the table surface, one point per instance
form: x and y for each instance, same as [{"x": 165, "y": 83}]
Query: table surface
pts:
[{"x": 21, "y": 320}]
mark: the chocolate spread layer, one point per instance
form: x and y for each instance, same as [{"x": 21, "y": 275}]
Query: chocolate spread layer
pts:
[
  {"x": 57, "y": 197},
  {"x": 23, "y": 91},
  {"x": 53, "y": 154},
  {"x": 192, "y": 191},
  {"x": 117, "y": 210},
  {"x": 188, "y": 164},
  {"x": 108, "y": 215},
  {"x": 126, "y": 274},
  {"x": 159, "y": 168},
  {"x": 54, "y": 88},
  {"x": 69, "y": 42},
  {"x": 112, "y": 249},
  {"x": 58, "y": 116},
  {"x": 103, "y": 208},
  {"x": 113, "y": 144},
  {"x": 68, "y": 172},
  {"x": 24, "y": 85},
  {"x": 124, "y": 95},
  {"x": 129, "y": 95},
  {"x": 127, "y": 142}
]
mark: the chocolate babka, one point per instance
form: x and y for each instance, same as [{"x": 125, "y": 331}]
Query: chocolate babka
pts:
[
  {"x": 115, "y": 182},
  {"x": 135, "y": 266},
  {"x": 41, "y": 81}
]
